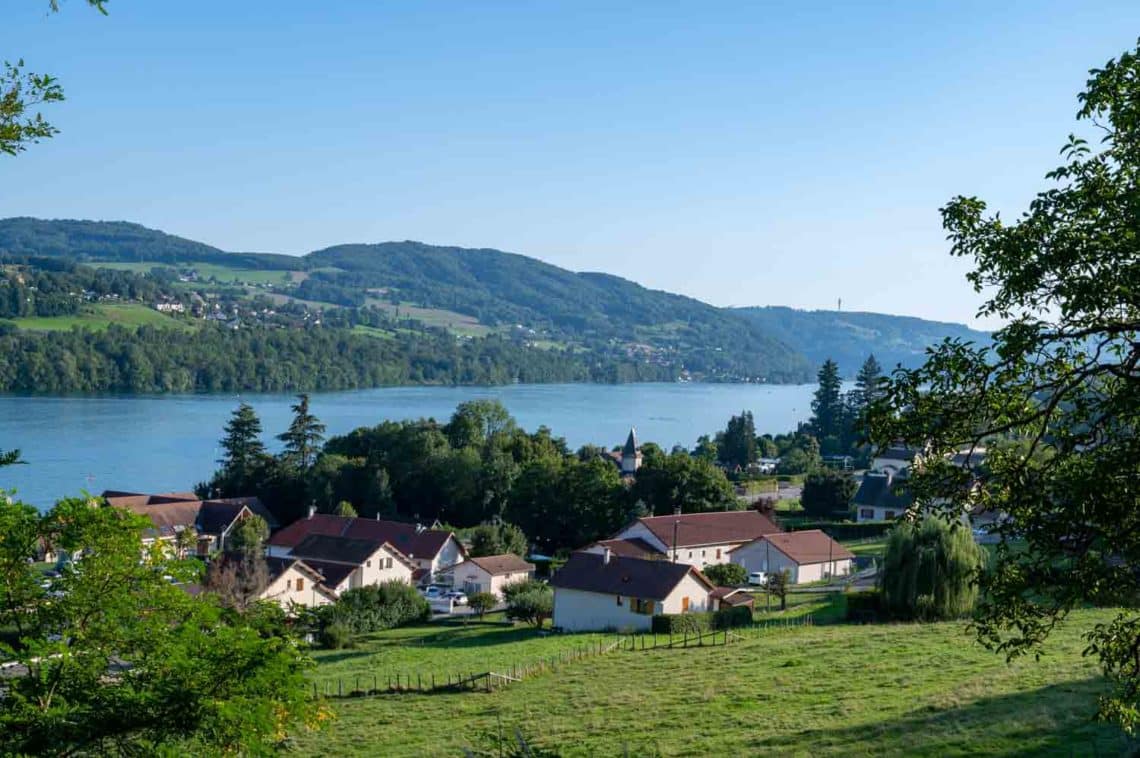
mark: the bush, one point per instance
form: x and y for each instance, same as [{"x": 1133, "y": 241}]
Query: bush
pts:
[
  {"x": 827, "y": 492},
  {"x": 681, "y": 623},
  {"x": 481, "y": 602},
  {"x": 731, "y": 618},
  {"x": 335, "y": 636},
  {"x": 863, "y": 606},
  {"x": 727, "y": 574},
  {"x": 533, "y": 606},
  {"x": 845, "y": 530},
  {"x": 509, "y": 591},
  {"x": 376, "y": 607}
]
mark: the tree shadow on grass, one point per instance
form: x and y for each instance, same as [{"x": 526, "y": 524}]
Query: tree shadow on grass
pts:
[{"x": 1053, "y": 720}]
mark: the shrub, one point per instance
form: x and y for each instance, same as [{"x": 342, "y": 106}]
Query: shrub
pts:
[
  {"x": 827, "y": 492},
  {"x": 930, "y": 570},
  {"x": 533, "y": 606},
  {"x": 509, "y": 591},
  {"x": 481, "y": 602},
  {"x": 731, "y": 618},
  {"x": 727, "y": 574},
  {"x": 335, "y": 636},
  {"x": 681, "y": 623},
  {"x": 845, "y": 530},
  {"x": 376, "y": 607},
  {"x": 863, "y": 606}
]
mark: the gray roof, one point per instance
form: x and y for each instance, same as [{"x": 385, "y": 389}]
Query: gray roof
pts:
[
  {"x": 883, "y": 491},
  {"x": 322, "y": 547},
  {"x": 631, "y": 445},
  {"x": 651, "y": 580}
]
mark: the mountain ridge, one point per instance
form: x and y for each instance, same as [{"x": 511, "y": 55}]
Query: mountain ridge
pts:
[{"x": 506, "y": 290}]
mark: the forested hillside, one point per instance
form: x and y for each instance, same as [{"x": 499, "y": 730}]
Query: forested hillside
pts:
[
  {"x": 603, "y": 319},
  {"x": 848, "y": 338}
]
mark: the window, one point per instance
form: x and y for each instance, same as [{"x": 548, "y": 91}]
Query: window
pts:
[
  {"x": 368, "y": 564},
  {"x": 300, "y": 584},
  {"x": 288, "y": 584},
  {"x": 889, "y": 515},
  {"x": 867, "y": 513},
  {"x": 702, "y": 553},
  {"x": 388, "y": 563},
  {"x": 619, "y": 599},
  {"x": 644, "y": 607},
  {"x": 690, "y": 553},
  {"x": 718, "y": 553}
]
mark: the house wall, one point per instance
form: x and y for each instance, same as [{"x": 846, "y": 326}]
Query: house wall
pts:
[
  {"x": 448, "y": 555},
  {"x": 764, "y": 556},
  {"x": 689, "y": 587},
  {"x": 470, "y": 578},
  {"x": 579, "y": 611},
  {"x": 694, "y": 556},
  {"x": 383, "y": 566},
  {"x": 876, "y": 513},
  {"x": 283, "y": 590},
  {"x": 276, "y": 551}
]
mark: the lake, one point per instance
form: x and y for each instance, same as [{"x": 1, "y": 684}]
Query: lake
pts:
[{"x": 168, "y": 443}]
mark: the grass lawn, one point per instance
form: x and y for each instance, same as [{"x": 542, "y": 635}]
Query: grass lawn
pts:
[
  {"x": 870, "y": 548},
  {"x": 100, "y": 316},
  {"x": 443, "y": 648},
  {"x": 457, "y": 323},
  {"x": 372, "y": 331},
  {"x": 823, "y": 690}
]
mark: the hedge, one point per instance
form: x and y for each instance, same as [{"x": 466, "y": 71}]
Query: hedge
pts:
[
  {"x": 694, "y": 623},
  {"x": 845, "y": 530},
  {"x": 863, "y": 606}
]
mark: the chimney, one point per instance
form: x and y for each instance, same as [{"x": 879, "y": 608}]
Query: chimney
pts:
[
  {"x": 677, "y": 510},
  {"x": 606, "y": 555},
  {"x": 377, "y": 515},
  {"x": 312, "y": 510},
  {"x": 419, "y": 528}
]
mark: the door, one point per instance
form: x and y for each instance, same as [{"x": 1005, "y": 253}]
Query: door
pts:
[{"x": 685, "y": 604}]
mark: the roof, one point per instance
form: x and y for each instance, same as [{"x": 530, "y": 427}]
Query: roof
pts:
[
  {"x": 507, "y": 563},
  {"x": 631, "y": 445},
  {"x": 323, "y": 547},
  {"x": 254, "y": 504},
  {"x": 898, "y": 453},
  {"x": 333, "y": 573},
  {"x": 808, "y": 546},
  {"x": 278, "y": 566},
  {"x": 424, "y": 543},
  {"x": 716, "y": 528},
  {"x": 215, "y": 517},
  {"x": 732, "y": 596},
  {"x": 167, "y": 518},
  {"x": 142, "y": 498},
  {"x": 650, "y": 580},
  {"x": 634, "y": 547},
  {"x": 882, "y": 490}
]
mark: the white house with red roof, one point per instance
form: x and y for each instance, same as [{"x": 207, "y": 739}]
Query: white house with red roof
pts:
[
  {"x": 427, "y": 551},
  {"x": 807, "y": 556},
  {"x": 698, "y": 539}
]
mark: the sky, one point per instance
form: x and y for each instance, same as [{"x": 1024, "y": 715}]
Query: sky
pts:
[{"x": 742, "y": 153}]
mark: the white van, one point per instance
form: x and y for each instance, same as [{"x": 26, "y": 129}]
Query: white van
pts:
[{"x": 758, "y": 578}]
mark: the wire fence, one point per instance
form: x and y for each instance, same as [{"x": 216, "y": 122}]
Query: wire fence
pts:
[{"x": 402, "y": 682}]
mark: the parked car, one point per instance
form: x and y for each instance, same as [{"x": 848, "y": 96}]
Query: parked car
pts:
[
  {"x": 458, "y": 597},
  {"x": 434, "y": 591},
  {"x": 758, "y": 578}
]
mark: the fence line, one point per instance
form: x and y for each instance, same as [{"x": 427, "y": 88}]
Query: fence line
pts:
[{"x": 400, "y": 682}]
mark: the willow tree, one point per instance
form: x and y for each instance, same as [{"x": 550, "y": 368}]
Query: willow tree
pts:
[
  {"x": 930, "y": 570},
  {"x": 1055, "y": 398}
]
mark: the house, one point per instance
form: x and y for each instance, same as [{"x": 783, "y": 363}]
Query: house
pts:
[
  {"x": 347, "y": 563},
  {"x": 698, "y": 539},
  {"x": 489, "y": 573},
  {"x": 895, "y": 459},
  {"x": 605, "y": 591},
  {"x": 430, "y": 550},
  {"x": 171, "y": 513},
  {"x": 882, "y": 496},
  {"x": 294, "y": 583},
  {"x": 807, "y": 556},
  {"x": 731, "y": 597}
]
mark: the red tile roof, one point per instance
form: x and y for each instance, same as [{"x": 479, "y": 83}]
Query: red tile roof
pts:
[
  {"x": 808, "y": 546},
  {"x": 424, "y": 544},
  {"x": 508, "y": 563},
  {"x": 716, "y": 528}
]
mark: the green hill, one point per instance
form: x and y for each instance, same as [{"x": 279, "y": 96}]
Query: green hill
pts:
[
  {"x": 848, "y": 338},
  {"x": 524, "y": 298}
]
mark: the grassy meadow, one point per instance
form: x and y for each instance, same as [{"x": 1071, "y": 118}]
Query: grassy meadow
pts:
[
  {"x": 819, "y": 690},
  {"x": 222, "y": 273},
  {"x": 99, "y": 316}
]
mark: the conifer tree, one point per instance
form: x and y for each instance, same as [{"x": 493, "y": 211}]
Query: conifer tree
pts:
[
  {"x": 827, "y": 406},
  {"x": 304, "y": 436},
  {"x": 242, "y": 445}
]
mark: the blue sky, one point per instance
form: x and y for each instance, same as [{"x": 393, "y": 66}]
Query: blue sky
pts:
[{"x": 742, "y": 153}]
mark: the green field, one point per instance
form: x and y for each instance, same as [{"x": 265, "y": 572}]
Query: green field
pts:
[
  {"x": 225, "y": 274},
  {"x": 824, "y": 690},
  {"x": 458, "y": 323},
  {"x": 100, "y": 316}
]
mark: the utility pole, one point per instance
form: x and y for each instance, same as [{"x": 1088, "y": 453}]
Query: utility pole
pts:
[{"x": 676, "y": 524}]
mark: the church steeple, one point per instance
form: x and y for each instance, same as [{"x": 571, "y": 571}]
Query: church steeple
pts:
[{"x": 631, "y": 454}]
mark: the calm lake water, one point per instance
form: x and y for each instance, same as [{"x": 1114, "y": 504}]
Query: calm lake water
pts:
[{"x": 168, "y": 443}]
